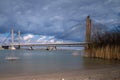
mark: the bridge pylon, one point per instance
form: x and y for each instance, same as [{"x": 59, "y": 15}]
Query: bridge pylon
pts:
[
  {"x": 19, "y": 39},
  {"x": 88, "y": 30},
  {"x": 12, "y": 44}
]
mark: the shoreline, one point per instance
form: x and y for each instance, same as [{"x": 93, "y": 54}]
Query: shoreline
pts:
[{"x": 108, "y": 73}]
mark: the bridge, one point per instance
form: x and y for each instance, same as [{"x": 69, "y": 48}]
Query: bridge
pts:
[
  {"x": 85, "y": 44},
  {"x": 74, "y": 44}
]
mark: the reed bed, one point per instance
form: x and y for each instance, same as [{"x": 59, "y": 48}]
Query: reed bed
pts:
[{"x": 105, "y": 45}]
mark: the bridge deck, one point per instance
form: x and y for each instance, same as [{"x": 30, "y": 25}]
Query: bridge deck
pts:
[{"x": 75, "y": 44}]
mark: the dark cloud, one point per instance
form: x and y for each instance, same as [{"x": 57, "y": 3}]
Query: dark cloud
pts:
[{"x": 56, "y": 17}]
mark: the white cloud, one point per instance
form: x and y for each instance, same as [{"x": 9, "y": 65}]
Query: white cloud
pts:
[
  {"x": 48, "y": 39},
  {"x": 51, "y": 37},
  {"x": 52, "y": 41},
  {"x": 28, "y": 37},
  {"x": 43, "y": 37},
  {"x": 59, "y": 41}
]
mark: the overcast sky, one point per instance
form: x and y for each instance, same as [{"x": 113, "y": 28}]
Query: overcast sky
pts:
[{"x": 55, "y": 20}]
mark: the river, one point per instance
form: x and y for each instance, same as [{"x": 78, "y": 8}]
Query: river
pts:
[{"x": 43, "y": 61}]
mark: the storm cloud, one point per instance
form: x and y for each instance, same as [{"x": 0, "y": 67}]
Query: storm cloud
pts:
[{"x": 56, "y": 18}]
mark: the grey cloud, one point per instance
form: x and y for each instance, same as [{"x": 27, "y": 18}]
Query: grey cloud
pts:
[{"x": 55, "y": 17}]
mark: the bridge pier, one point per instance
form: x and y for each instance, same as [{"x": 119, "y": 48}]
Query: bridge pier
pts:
[
  {"x": 1, "y": 47},
  {"x": 51, "y": 48},
  {"x": 30, "y": 48},
  {"x": 4, "y": 47},
  {"x": 18, "y": 47}
]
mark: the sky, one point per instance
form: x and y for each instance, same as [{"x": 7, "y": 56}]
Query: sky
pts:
[{"x": 50, "y": 21}]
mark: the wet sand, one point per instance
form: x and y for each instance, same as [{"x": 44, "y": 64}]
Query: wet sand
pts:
[{"x": 107, "y": 73}]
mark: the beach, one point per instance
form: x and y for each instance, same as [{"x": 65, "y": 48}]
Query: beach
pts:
[{"x": 107, "y": 73}]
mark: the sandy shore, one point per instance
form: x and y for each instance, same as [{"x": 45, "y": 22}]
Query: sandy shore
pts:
[{"x": 109, "y": 73}]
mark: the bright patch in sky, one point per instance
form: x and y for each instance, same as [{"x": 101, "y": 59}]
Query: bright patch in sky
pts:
[{"x": 28, "y": 37}]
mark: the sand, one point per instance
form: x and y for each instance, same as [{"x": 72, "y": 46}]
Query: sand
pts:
[{"x": 107, "y": 73}]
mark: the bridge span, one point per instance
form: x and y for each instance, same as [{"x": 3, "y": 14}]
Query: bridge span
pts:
[
  {"x": 49, "y": 46},
  {"x": 69, "y": 44},
  {"x": 73, "y": 44}
]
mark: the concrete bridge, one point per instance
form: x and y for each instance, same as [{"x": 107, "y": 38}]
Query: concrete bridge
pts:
[
  {"x": 73, "y": 44},
  {"x": 48, "y": 45}
]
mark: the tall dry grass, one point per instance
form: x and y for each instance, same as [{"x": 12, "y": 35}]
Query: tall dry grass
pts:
[{"x": 105, "y": 45}]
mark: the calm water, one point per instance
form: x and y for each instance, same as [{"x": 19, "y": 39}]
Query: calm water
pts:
[{"x": 42, "y": 61}]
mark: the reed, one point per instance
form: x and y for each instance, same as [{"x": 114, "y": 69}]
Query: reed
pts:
[{"x": 105, "y": 45}]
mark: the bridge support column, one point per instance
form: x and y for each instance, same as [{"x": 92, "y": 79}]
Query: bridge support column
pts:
[
  {"x": 30, "y": 48},
  {"x": 18, "y": 47},
  {"x": 51, "y": 48},
  {"x": 1, "y": 48},
  {"x": 88, "y": 30},
  {"x": 19, "y": 39},
  {"x": 12, "y": 44}
]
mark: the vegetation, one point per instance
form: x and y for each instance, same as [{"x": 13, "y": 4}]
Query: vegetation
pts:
[{"x": 105, "y": 45}]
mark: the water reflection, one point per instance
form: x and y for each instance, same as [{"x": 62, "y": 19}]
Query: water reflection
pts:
[{"x": 11, "y": 56}]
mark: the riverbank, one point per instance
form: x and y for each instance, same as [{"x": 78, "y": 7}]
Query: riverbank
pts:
[{"x": 107, "y": 73}]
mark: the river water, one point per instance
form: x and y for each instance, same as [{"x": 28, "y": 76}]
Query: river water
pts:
[{"x": 43, "y": 61}]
